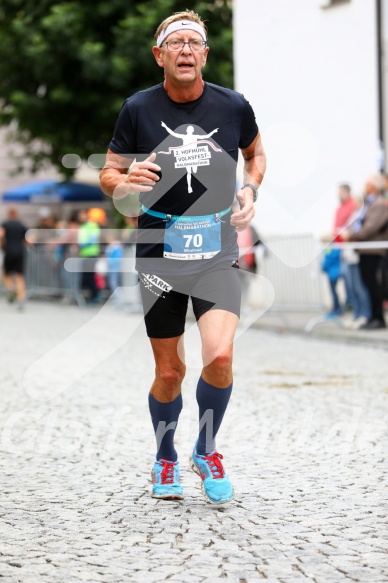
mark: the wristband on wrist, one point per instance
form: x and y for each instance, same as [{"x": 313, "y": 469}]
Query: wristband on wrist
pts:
[{"x": 254, "y": 190}]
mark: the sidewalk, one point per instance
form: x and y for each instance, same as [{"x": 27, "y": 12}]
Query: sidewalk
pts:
[
  {"x": 315, "y": 325},
  {"x": 304, "y": 440}
]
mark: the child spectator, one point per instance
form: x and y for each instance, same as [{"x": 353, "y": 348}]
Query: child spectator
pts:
[{"x": 331, "y": 265}]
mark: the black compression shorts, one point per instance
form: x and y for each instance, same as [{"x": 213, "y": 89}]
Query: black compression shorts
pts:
[
  {"x": 165, "y": 299},
  {"x": 13, "y": 263}
]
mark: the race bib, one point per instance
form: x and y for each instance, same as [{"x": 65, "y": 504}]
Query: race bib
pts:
[{"x": 186, "y": 238}]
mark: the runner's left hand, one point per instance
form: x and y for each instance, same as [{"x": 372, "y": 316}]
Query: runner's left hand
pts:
[{"x": 242, "y": 218}]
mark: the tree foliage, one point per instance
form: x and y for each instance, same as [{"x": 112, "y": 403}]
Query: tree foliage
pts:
[{"x": 66, "y": 67}]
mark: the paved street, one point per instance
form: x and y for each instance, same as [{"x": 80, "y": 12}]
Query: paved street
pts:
[{"x": 304, "y": 440}]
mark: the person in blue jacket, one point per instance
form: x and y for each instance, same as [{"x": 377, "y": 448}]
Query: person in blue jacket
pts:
[{"x": 331, "y": 265}]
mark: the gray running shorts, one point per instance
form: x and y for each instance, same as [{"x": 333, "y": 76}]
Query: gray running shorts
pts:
[{"x": 165, "y": 298}]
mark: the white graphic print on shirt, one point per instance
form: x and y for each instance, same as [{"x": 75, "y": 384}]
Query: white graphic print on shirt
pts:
[{"x": 191, "y": 154}]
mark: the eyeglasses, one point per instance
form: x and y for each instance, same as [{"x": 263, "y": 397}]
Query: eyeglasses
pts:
[{"x": 177, "y": 45}]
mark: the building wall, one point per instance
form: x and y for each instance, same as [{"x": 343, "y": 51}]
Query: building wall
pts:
[
  {"x": 311, "y": 77},
  {"x": 8, "y": 165},
  {"x": 9, "y": 179},
  {"x": 384, "y": 6}
]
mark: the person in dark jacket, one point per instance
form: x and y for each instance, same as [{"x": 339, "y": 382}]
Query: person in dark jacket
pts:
[{"x": 371, "y": 226}]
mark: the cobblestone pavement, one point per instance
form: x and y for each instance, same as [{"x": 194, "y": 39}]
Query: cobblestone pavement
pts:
[{"x": 304, "y": 440}]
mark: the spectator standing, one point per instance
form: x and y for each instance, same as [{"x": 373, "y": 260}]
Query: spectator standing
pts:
[
  {"x": 345, "y": 209},
  {"x": 66, "y": 247},
  {"x": 360, "y": 295},
  {"x": 89, "y": 234},
  {"x": 13, "y": 241},
  {"x": 331, "y": 265},
  {"x": 384, "y": 268},
  {"x": 114, "y": 254},
  {"x": 130, "y": 277},
  {"x": 342, "y": 216},
  {"x": 247, "y": 242},
  {"x": 46, "y": 220},
  {"x": 372, "y": 225}
]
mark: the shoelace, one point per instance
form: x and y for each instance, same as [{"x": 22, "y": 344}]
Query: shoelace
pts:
[
  {"x": 167, "y": 475},
  {"x": 215, "y": 465}
]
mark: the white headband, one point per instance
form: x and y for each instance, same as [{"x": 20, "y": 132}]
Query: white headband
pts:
[{"x": 180, "y": 25}]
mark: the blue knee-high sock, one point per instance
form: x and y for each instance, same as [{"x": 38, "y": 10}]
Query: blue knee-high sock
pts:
[
  {"x": 212, "y": 403},
  {"x": 164, "y": 418}
]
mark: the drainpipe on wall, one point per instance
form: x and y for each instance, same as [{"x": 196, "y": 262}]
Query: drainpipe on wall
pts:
[{"x": 380, "y": 95}]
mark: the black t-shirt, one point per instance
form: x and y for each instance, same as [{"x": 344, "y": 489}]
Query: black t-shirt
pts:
[
  {"x": 198, "y": 165},
  {"x": 14, "y": 239}
]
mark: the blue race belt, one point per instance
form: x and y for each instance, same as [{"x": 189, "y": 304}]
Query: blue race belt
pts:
[
  {"x": 190, "y": 237},
  {"x": 167, "y": 217}
]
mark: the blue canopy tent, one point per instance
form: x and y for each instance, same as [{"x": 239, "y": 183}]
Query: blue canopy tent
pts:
[{"x": 53, "y": 192}]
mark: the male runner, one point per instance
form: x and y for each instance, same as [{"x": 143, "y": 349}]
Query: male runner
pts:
[{"x": 186, "y": 244}]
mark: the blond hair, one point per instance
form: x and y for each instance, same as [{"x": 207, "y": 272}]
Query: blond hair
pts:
[{"x": 186, "y": 15}]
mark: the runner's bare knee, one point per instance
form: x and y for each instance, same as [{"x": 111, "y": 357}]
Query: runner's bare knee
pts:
[{"x": 170, "y": 378}]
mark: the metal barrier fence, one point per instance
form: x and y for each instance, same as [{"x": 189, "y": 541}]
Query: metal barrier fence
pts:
[
  {"x": 47, "y": 276},
  {"x": 292, "y": 265}
]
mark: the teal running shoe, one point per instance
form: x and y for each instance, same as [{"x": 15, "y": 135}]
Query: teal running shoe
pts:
[
  {"x": 166, "y": 482},
  {"x": 216, "y": 485}
]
